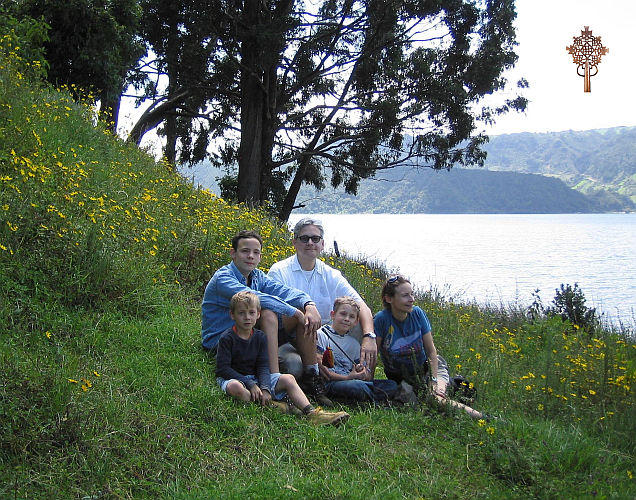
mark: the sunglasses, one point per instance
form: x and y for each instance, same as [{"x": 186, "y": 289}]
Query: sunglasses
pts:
[
  {"x": 395, "y": 278},
  {"x": 305, "y": 238}
]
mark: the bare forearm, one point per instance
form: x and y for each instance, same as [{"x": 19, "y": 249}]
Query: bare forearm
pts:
[{"x": 365, "y": 318}]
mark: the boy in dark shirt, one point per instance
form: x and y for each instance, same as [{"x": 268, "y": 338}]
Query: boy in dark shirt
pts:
[{"x": 242, "y": 365}]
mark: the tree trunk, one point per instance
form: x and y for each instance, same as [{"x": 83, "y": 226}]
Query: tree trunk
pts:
[
  {"x": 253, "y": 108},
  {"x": 170, "y": 131},
  {"x": 250, "y": 158},
  {"x": 153, "y": 116},
  {"x": 172, "y": 61},
  {"x": 288, "y": 204}
]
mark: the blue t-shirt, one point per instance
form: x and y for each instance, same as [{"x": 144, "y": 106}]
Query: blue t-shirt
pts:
[{"x": 402, "y": 340}]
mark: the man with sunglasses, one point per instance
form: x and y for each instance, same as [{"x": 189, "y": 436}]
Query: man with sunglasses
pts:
[{"x": 304, "y": 271}]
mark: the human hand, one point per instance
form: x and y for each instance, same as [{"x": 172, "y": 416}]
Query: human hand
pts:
[
  {"x": 358, "y": 372},
  {"x": 266, "y": 397},
  {"x": 439, "y": 388},
  {"x": 255, "y": 393},
  {"x": 368, "y": 352},
  {"x": 312, "y": 320}
]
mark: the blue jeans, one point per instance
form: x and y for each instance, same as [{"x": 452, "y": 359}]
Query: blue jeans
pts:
[{"x": 362, "y": 390}]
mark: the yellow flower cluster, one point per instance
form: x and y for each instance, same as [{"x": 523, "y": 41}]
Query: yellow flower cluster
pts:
[
  {"x": 54, "y": 187},
  {"x": 85, "y": 384}
]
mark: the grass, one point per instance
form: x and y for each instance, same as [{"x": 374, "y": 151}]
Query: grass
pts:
[{"x": 106, "y": 393}]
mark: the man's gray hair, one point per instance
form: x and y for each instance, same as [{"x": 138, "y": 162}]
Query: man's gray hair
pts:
[{"x": 308, "y": 221}]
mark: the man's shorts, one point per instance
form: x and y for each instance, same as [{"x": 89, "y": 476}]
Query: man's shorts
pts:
[
  {"x": 283, "y": 336},
  {"x": 273, "y": 381}
]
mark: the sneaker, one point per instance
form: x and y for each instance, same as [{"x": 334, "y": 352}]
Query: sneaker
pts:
[
  {"x": 322, "y": 417},
  {"x": 313, "y": 385}
]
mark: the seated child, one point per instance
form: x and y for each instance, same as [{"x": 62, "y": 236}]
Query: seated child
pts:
[
  {"x": 339, "y": 358},
  {"x": 242, "y": 365}
]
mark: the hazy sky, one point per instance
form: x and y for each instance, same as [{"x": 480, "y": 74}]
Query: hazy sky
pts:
[{"x": 557, "y": 100}]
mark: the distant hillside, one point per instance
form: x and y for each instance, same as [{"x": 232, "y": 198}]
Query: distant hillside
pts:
[
  {"x": 455, "y": 191},
  {"x": 558, "y": 172},
  {"x": 587, "y": 160}
]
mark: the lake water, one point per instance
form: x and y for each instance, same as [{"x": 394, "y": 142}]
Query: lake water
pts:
[{"x": 501, "y": 259}]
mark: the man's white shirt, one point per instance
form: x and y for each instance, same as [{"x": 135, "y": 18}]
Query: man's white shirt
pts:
[{"x": 324, "y": 284}]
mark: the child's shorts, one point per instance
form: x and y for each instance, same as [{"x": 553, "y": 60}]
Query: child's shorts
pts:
[{"x": 273, "y": 380}]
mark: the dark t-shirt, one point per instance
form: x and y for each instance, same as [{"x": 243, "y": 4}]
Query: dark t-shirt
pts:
[{"x": 237, "y": 357}]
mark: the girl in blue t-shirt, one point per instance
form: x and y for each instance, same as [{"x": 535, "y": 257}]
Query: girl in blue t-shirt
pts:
[{"x": 405, "y": 341}]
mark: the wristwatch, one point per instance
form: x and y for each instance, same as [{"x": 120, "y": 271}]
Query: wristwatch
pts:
[
  {"x": 370, "y": 335},
  {"x": 309, "y": 303}
]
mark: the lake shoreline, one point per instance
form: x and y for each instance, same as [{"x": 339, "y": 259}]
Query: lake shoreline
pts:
[{"x": 500, "y": 259}]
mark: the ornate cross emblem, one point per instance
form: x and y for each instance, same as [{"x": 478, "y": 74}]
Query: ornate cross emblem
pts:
[{"x": 586, "y": 52}]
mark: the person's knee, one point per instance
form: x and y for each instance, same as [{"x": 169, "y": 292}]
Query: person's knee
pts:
[
  {"x": 236, "y": 389},
  {"x": 268, "y": 321},
  {"x": 286, "y": 381}
]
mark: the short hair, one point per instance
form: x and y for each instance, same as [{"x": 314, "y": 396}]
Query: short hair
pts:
[
  {"x": 244, "y": 235},
  {"x": 308, "y": 221},
  {"x": 391, "y": 283},
  {"x": 245, "y": 297},
  {"x": 341, "y": 301}
]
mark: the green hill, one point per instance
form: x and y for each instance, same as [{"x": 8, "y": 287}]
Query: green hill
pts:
[
  {"x": 455, "y": 191},
  {"x": 560, "y": 172},
  {"x": 589, "y": 160},
  {"x": 106, "y": 393}
]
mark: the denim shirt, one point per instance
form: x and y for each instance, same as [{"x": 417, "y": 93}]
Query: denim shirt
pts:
[{"x": 215, "y": 309}]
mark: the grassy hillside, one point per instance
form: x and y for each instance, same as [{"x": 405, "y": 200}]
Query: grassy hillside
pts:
[{"x": 106, "y": 393}]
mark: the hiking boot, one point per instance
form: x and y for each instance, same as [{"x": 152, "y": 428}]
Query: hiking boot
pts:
[
  {"x": 322, "y": 417},
  {"x": 285, "y": 407},
  {"x": 313, "y": 385}
]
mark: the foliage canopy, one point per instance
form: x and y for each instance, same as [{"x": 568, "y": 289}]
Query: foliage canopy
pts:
[
  {"x": 309, "y": 93},
  {"x": 91, "y": 47},
  {"x": 284, "y": 93}
]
